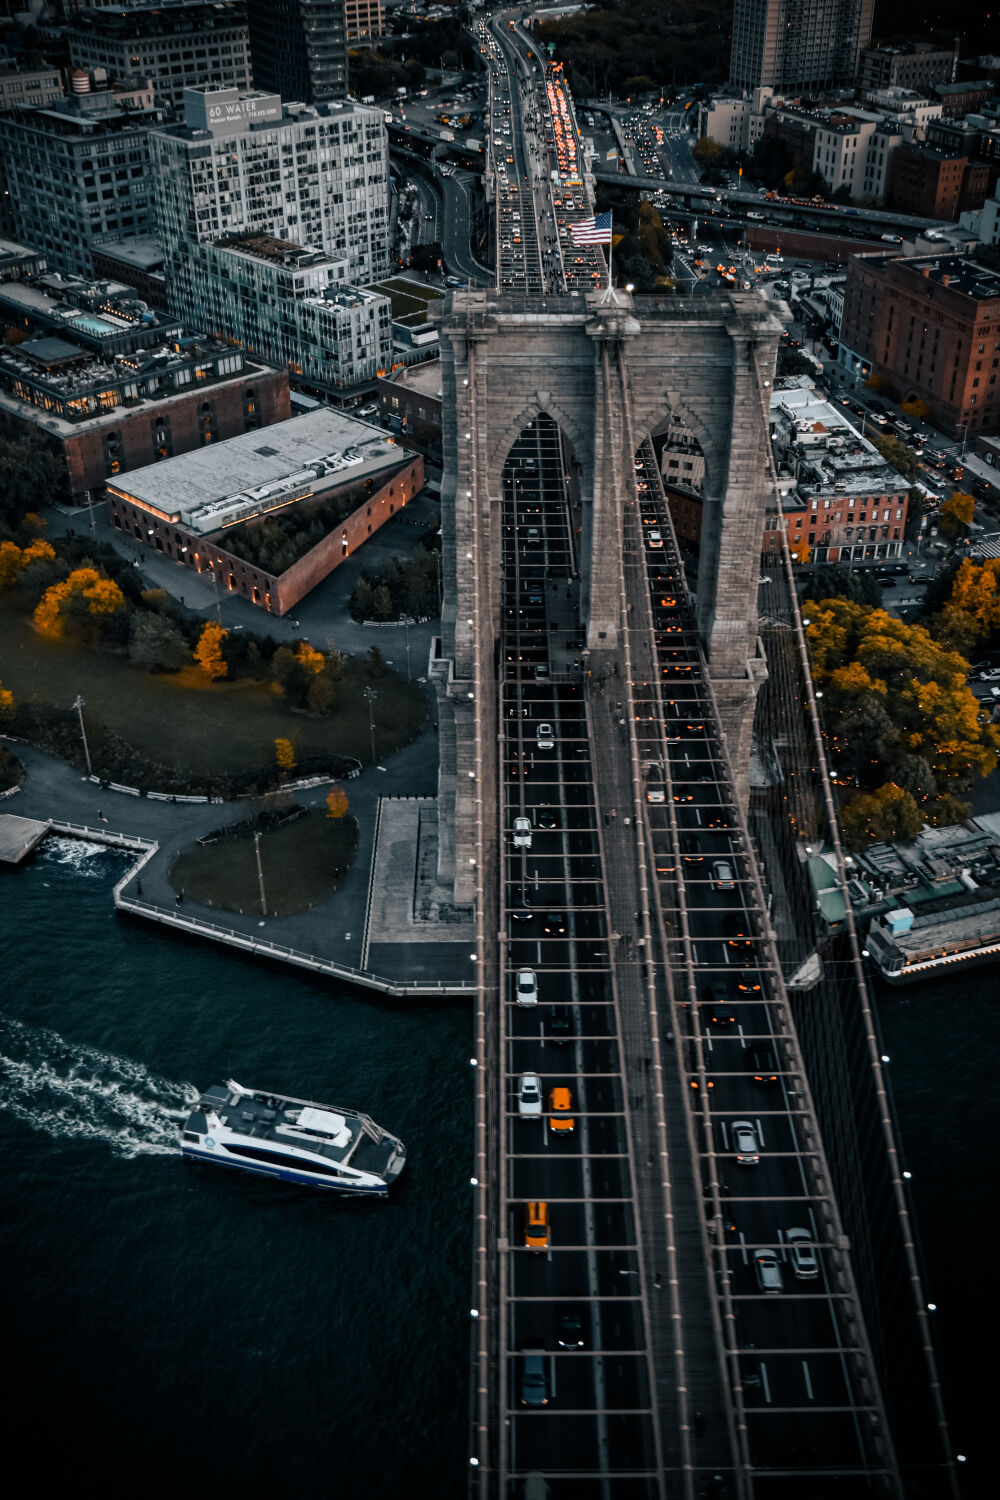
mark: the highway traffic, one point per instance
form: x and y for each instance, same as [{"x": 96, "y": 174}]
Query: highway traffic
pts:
[{"x": 684, "y": 1324}]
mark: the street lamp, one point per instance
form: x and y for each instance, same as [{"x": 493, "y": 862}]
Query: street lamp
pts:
[
  {"x": 371, "y": 695},
  {"x": 404, "y": 620},
  {"x": 79, "y": 705}
]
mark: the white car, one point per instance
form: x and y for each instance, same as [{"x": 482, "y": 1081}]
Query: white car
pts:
[
  {"x": 654, "y": 538},
  {"x": 545, "y": 737},
  {"x": 722, "y": 873},
  {"x": 768, "y": 1269},
  {"x": 526, "y": 987},
  {"x": 529, "y": 1095},
  {"x": 522, "y": 833},
  {"x": 802, "y": 1254},
  {"x": 745, "y": 1143}
]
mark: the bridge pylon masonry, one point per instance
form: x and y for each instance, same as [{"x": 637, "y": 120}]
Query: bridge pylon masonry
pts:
[{"x": 507, "y": 358}]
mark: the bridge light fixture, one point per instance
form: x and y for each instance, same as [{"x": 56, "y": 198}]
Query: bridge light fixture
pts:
[
  {"x": 885, "y": 1057},
  {"x": 474, "y": 1181},
  {"x": 819, "y": 694},
  {"x": 932, "y": 1307},
  {"x": 907, "y": 1176},
  {"x": 474, "y": 1462},
  {"x": 473, "y": 1311}
]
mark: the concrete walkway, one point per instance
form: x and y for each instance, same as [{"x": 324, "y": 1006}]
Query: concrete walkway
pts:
[{"x": 333, "y": 932}]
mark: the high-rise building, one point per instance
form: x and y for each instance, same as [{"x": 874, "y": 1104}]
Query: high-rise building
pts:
[
  {"x": 269, "y": 217},
  {"x": 175, "y": 47},
  {"x": 798, "y": 45},
  {"x": 241, "y": 164},
  {"x": 78, "y": 173},
  {"x": 299, "y": 48},
  {"x": 365, "y": 19}
]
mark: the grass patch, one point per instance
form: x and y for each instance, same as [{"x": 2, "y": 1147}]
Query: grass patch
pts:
[
  {"x": 301, "y": 862},
  {"x": 409, "y": 299},
  {"x": 206, "y": 729}
]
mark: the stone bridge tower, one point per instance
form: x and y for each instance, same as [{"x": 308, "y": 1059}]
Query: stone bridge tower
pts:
[{"x": 609, "y": 374}]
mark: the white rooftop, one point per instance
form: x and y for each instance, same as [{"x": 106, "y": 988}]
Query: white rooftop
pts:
[{"x": 256, "y": 471}]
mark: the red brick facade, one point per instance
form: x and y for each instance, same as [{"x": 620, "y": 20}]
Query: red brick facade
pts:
[
  {"x": 151, "y": 431},
  {"x": 276, "y": 594},
  {"x": 934, "y": 184},
  {"x": 925, "y": 327}
]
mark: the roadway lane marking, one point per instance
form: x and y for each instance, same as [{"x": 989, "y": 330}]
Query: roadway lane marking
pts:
[
  {"x": 743, "y": 1249},
  {"x": 760, "y": 1130},
  {"x": 808, "y": 1381},
  {"x": 765, "y": 1383}
]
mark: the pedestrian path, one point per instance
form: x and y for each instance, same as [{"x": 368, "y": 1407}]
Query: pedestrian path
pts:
[{"x": 328, "y": 939}]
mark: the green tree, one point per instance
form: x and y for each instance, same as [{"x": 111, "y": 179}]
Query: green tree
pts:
[
  {"x": 838, "y": 581},
  {"x": 706, "y": 150},
  {"x": 896, "y": 453},
  {"x": 885, "y": 816},
  {"x": 321, "y": 695},
  {"x": 382, "y": 603},
  {"x": 157, "y": 644}
]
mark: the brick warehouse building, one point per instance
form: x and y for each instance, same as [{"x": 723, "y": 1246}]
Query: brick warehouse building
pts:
[
  {"x": 931, "y": 326},
  {"x": 324, "y": 481}
]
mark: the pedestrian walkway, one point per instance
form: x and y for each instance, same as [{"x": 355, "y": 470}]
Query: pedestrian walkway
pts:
[{"x": 329, "y": 938}]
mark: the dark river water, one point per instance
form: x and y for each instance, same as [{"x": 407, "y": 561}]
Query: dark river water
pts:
[
  {"x": 167, "y": 1324},
  {"x": 175, "y": 1325}
]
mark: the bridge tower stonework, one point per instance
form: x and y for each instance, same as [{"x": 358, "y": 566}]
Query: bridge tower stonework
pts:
[{"x": 609, "y": 374}]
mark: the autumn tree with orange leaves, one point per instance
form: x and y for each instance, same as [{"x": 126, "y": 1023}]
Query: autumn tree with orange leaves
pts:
[
  {"x": 208, "y": 652},
  {"x": 336, "y": 802},
  {"x": 81, "y": 599},
  {"x": 897, "y": 712}
]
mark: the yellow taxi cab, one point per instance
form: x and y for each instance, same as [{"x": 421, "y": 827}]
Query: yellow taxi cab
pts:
[
  {"x": 536, "y": 1226},
  {"x": 560, "y": 1104}
]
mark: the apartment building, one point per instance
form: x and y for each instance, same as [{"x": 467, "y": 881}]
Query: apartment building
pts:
[
  {"x": 935, "y": 184},
  {"x": 240, "y": 164},
  {"x": 299, "y": 48},
  {"x": 839, "y": 497},
  {"x": 28, "y": 87},
  {"x": 798, "y": 44},
  {"x": 174, "y": 47},
  {"x": 931, "y": 326},
  {"x": 914, "y": 65},
  {"x": 365, "y": 20},
  {"x": 78, "y": 173},
  {"x": 112, "y": 385}
]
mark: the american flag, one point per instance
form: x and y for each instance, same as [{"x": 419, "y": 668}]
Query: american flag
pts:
[{"x": 592, "y": 231}]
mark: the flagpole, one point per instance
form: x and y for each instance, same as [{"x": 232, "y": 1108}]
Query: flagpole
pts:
[{"x": 611, "y": 246}]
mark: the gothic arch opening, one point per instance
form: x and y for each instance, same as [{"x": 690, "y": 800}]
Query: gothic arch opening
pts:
[
  {"x": 684, "y": 469},
  {"x": 541, "y": 530}
]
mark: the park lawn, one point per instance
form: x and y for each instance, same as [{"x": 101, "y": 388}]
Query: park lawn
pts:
[
  {"x": 301, "y": 862},
  {"x": 184, "y": 720},
  {"x": 407, "y": 298}
]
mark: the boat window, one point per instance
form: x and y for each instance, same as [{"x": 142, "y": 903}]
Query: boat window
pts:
[{"x": 281, "y": 1159}]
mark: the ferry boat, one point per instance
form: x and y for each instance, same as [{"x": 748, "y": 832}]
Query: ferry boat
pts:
[{"x": 315, "y": 1145}]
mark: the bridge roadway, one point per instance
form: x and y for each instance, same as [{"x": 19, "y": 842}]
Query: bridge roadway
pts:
[{"x": 643, "y": 1119}]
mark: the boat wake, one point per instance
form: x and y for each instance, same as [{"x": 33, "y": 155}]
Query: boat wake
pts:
[{"x": 72, "y": 1092}]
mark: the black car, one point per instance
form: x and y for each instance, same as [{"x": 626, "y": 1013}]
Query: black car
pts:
[
  {"x": 569, "y": 1334},
  {"x": 716, "y": 1006},
  {"x": 560, "y": 1027},
  {"x": 691, "y": 847},
  {"x": 555, "y": 923},
  {"x": 764, "y": 1064},
  {"x": 546, "y": 819}
]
